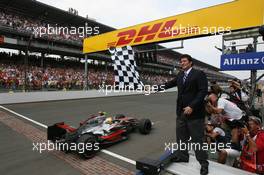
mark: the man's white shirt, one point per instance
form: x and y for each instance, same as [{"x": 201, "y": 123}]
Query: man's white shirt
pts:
[
  {"x": 188, "y": 71},
  {"x": 231, "y": 109}
]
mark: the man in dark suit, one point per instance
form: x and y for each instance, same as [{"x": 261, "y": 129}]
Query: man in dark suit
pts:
[{"x": 192, "y": 88}]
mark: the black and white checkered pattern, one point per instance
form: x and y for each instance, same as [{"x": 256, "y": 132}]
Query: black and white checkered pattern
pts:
[{"x": 126, "y": 74}]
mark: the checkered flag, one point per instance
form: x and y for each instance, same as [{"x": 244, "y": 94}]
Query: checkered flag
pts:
[{"x": 126, "y": 74}]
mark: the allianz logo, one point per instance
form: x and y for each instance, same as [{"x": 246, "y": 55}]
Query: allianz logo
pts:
[{"x": 243, "y": 61}]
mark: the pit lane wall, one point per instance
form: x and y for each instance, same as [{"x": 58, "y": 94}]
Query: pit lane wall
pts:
[{"x": 28, "y": 97}]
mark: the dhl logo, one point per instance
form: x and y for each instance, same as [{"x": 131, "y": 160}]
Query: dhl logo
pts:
[{"x": 146, "y": 33}]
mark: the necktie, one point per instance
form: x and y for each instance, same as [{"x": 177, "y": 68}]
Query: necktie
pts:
[{"x": 185, "y": 77}]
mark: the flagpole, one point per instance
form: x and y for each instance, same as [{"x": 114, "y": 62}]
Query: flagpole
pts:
[{"x": 86, "y": 73}]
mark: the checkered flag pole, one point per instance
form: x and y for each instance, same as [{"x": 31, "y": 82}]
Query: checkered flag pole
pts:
[{"x": 125, "y": 68}]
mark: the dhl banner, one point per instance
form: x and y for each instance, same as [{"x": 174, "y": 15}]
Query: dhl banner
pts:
[{"x": 235, "y": 15}]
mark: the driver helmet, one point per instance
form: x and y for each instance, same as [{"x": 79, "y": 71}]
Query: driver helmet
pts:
[
  {"x": 109, "y": 120},
  {"x": 101, "y": 113}
]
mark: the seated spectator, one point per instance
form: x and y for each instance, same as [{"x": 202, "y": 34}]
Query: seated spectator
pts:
[
  {"x": 230, "y": 155},
  {"x": 215, "y": 133},
  {"x": 252, "y": 157}
]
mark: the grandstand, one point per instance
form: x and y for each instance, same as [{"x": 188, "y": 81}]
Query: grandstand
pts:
[{"x": 24, "y": 26}]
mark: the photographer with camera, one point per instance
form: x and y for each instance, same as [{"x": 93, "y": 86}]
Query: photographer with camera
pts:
[
  {"x": 230, "y": 113},
  {"x": 238, "y": 92}
]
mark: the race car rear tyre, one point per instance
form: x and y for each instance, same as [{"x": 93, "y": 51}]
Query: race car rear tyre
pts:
[
  {"x": 87, "y": 146},
  {"x": 145, "y": 126},
  {"x": 119, "y": 116}
]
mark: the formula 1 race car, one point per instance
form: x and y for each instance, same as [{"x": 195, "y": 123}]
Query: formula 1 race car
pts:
[{"x": 95, "y": 133}]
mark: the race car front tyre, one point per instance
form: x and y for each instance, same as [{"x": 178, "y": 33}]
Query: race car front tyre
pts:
[
  {"x": 87, "y": 146},
  {"x": 144, "y": 126}
]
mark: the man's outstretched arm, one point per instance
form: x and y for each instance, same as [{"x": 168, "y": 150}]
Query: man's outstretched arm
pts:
[{"x": 167, "y": 85}]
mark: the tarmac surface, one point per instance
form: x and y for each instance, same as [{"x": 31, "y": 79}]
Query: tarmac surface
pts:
[{"x": 160, "y": 108}]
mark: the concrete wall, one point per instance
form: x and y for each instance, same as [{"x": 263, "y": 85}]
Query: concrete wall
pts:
[{"x": 26, "y": 97}]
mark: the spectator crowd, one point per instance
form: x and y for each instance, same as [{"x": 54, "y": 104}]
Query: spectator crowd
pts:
[
  {"x": 12, "y": 77},
  {"x": 29, "y": 25},
  {"x": 59, "y": 74},
  {"x": 167, "y": 60}
]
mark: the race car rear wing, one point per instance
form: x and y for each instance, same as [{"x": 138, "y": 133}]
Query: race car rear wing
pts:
[{"x": 55, "y": 132}]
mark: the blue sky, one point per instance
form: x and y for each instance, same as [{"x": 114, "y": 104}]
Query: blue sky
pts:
[{"x": 124, "y": 13}]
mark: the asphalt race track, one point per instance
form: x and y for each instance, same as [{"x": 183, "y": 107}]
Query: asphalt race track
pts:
[
  {"x": 160, "y": 108},
  {"x": 17, "y": 157}
]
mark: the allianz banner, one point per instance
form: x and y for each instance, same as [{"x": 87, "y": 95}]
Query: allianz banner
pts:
[{"x": 244, "y": 61}]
